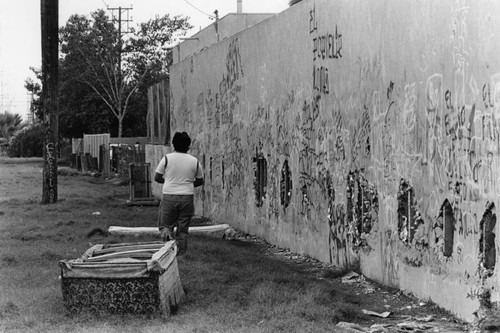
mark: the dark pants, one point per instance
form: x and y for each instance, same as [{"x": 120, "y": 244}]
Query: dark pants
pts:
[{"x": 176, "y": 211}]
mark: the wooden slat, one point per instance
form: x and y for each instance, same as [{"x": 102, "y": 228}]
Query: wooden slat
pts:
[
  {"x": 167, "y": 91},
  {"x": 142, "y": 253},
  {"x": 128, "y": 248},
  {"x": 217, "y": 230}
]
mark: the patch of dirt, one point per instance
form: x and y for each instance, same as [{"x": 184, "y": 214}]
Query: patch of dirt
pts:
[
  {"x": 9, "y": 309},
  {"x": 9, "y": 261},
  {"x": 383, "y": 309}
]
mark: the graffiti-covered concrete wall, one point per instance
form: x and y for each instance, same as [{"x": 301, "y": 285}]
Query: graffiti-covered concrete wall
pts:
[{"x": 359, "y": 132}]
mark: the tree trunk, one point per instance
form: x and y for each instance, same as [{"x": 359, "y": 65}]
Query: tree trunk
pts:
[
  {"x": 49, "y": 10},
  {"x": 120, "y": 126}
]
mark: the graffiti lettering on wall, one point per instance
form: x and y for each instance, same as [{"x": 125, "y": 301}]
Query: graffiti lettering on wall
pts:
[
  {"x": 51, "y": 167},
  {"x": 234, "y": 160},
  {"x": 282, "y": 123},
  {"x": 350, "y": 224},
  {"x": 321, "y": 83},
  {"x": 307, "y": 154},
  {"x": 325, "y": 46},
  {"x": 338, "y": 124},
  {"x": 222, "y": 134},
  {"x": 361, "y": 136},
  {"x": 479, "y": 293},
  {"x": 338, "y": 234},
  {"x": 221, "y": 105},
  {"x": 234, "y": 68}
]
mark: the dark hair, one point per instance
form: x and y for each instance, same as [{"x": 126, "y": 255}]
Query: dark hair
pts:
[{"x": 181, "y": 142}]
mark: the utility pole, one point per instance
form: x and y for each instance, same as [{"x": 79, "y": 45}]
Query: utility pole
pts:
[
  {"x": 216, "y": 24},
  {"x": 49, "y": 10},
  {"x": 121, "y": 20}
]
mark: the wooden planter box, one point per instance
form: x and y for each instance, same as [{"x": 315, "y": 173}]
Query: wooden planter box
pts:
[{"x": 128, "y": 278}]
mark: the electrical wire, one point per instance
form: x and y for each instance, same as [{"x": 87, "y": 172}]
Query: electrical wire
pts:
[{"x": 189, "y": 3}]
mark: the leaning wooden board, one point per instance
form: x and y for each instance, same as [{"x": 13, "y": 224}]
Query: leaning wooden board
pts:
[
  {"x": 216, "y": 231},
  {"x": 132, "y": 278}
]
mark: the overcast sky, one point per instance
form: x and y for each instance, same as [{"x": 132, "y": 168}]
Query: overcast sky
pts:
[{"x": 20, "y": 31}]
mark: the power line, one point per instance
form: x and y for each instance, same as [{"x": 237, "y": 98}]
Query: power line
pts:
[{"x": 189, "y": 3}]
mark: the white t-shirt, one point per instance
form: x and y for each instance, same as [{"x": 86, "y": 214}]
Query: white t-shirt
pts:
[{"x": 181, "y": 171}]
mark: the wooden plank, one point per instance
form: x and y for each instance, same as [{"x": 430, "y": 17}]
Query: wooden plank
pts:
[
  {"x": 142, "y": 253},
  {"x": 128, "y": 248},
  {"x": 158, "y": 111},
  {"x": 167, "y": 112},
  {"x": 148, "y": 116},
  {"x": 218, "y": 231}
]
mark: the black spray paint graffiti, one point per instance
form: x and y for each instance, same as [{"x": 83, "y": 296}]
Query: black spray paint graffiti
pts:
[
  {"x": 307, "y": 154},
  {"x": 361, "y": 137},
  {"x": 338, "y": 234},
  {"x": 487, "y": 97},
  {"x": 338, "y": 230},
  {"x": 321, "y": 81},
  {"x": 325, "y": 46},
  {"x": 313, "y": 23},
  {"x": 350, "y": 225},
  {"x": 339, "y": 152}
]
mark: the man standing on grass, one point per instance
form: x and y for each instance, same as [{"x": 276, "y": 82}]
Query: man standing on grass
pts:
[{"x": 180, "y": 173}]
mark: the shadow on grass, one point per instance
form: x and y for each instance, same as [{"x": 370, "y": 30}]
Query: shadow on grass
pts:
[{"x": 238, "y": 276}]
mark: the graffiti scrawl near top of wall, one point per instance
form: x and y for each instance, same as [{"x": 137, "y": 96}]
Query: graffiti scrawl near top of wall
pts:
[
  {"x": 234, "y": 66},
  {"x": 313, "y": 24},
  {"x": 325, "y": 46}
]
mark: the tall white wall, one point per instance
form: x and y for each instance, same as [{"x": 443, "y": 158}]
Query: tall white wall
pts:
[{"x": 387, "y": 114}]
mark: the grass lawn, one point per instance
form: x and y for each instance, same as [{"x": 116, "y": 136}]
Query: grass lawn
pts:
[{"x": 231, "y": 285}]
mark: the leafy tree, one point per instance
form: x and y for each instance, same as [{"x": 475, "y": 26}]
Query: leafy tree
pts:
[
  {"x": 27, "y": 142},
  {"x": 148, "y": 49},
  {"x": 35, "y": 88},
  {"x": 100, "y": 72},
  {"x": 10, "y": 124}
]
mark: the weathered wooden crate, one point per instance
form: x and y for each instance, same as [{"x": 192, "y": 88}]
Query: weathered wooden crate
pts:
[
  {"x": 127, "y": 278},
  {"x": 140, "y": 186}
]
